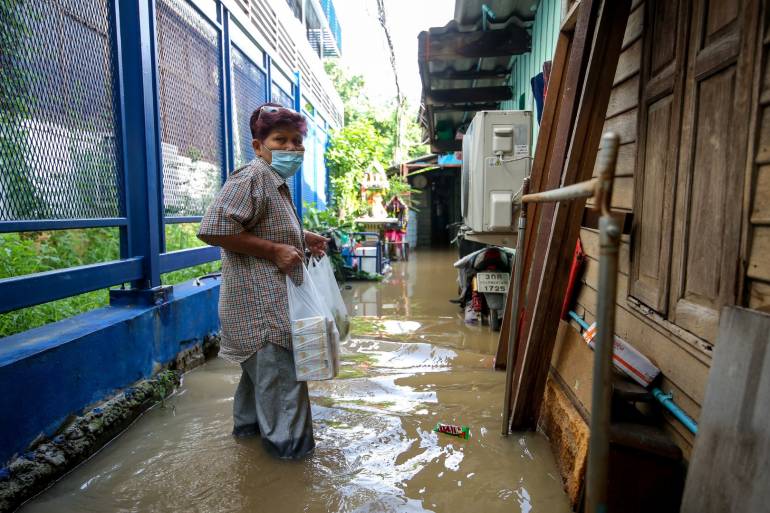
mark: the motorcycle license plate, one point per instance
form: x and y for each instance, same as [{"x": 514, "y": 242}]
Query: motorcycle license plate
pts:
[{"x": 493, "y": 282}]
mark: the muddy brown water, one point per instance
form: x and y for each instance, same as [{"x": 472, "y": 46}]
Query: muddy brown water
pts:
[{"x": 412, "y": 362}]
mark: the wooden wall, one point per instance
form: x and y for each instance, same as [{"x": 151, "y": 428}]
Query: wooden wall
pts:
[
  {"x": 757, "y": 289},
  {"x": 660, "y": 102}
]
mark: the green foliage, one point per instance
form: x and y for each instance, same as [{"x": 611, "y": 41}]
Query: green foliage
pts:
[
  {"x": 184, "y": 236},
  {"x": 351, "y": 150},
  {"x": 321, "y": 221},
  {"x": 369, "y": 134},
  {"x": 15, "y": 105},
  {"x": 32, "y": 252}
]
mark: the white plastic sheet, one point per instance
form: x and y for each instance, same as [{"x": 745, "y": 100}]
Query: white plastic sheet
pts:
[{"x": 315, "y": 339}]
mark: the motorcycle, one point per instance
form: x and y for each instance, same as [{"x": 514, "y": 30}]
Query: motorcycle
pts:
[{"x": 483, "y": 277}]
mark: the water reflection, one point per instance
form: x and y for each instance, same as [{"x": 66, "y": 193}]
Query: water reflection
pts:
[{"x": 376, "y": 452}]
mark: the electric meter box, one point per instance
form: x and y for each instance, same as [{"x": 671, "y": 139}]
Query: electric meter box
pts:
[{"x": 496, "y": 159}]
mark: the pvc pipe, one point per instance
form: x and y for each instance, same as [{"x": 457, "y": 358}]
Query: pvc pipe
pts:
[
  {"x": 663, "y": 398},
  {"x": 676, "y": 411},
  {"x": 579, "y": 320}
]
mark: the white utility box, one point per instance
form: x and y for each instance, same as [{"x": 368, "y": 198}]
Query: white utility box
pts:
[{"x": 496, "y": 159}]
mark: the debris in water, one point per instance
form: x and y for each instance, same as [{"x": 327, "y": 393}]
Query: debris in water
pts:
[{"x": 451, "y": 429}]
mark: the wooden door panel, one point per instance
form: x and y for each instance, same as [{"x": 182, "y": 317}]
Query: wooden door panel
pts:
[
  {"x": 712, "y": 156},
  {"x": 664, "y": 36},
  {"x": 651, "y": 258},
  {"x": 720, "y": 16},
  {"x": 708, "y": 188},
  {"x": 662, "y": 78}
]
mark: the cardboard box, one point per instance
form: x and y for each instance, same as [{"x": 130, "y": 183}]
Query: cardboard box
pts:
[{"x": 627, "y": 359}]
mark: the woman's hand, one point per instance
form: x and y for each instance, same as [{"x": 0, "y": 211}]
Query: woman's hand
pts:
[
  {"x": 316, "y": 243},
  {"x": 287, "y": 257}
]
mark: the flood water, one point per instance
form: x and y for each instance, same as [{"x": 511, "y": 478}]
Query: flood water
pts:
[{"x": 411, "y": 363}]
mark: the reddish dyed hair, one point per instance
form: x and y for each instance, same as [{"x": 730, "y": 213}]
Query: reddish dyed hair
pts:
[{"x": 262, "y": 123}]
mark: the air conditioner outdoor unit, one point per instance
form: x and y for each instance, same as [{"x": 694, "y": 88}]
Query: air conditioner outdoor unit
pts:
[{"x": 496, "y": 158}]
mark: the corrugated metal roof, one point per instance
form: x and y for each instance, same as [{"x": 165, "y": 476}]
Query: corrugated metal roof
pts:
[{"x": 456, "y": 82}]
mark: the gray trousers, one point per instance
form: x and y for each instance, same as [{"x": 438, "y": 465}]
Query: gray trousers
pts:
[{"x": 270, "y": 402}]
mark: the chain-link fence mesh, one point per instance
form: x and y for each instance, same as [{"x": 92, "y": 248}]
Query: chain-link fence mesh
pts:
[
  {"x": 59, "y": 151},
  {"x": 249, "y": 92},
  {"x": 189, "y": 79}
]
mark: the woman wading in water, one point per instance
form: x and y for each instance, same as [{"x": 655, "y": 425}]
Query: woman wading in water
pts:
[{"x": 254, "y": 221}]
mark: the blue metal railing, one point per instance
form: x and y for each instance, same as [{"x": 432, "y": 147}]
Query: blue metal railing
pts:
[{"x": 149, "y": 114}]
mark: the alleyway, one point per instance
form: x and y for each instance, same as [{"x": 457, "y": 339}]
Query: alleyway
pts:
[{"x": 411, "y": 363}]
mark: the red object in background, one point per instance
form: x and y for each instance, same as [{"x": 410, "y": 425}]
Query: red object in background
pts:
[{"x": 578, "y": 259}]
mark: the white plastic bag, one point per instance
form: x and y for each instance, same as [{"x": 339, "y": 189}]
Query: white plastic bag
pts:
[
  {"x": 323, "y": 278},
  {"x": 315, "y": 339}
]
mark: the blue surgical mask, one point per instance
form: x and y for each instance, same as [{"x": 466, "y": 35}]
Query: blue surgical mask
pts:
[{"x": 286, "y": 163}]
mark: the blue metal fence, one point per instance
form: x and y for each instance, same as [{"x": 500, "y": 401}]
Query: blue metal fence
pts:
[{"x": 125, "y": 113}]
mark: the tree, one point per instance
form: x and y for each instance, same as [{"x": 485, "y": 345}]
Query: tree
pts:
[{"x": 370, "y": 133}]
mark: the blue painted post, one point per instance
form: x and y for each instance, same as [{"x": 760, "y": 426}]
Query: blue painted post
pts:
[
  {"x": 228, "y": 152},
  {"x": 139, "y": 136},
  {"x": 297, "y": 93}
]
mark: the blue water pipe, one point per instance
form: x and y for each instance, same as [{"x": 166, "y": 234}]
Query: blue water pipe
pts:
[
  {"x": 662, "y": 397},
  {"x": 676, "y": 411}
]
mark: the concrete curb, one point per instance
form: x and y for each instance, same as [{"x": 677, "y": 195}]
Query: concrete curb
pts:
[{"x": 46, "y": 460}]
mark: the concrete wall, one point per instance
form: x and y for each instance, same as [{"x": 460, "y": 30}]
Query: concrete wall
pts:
[{"x": 52, "y": 372}]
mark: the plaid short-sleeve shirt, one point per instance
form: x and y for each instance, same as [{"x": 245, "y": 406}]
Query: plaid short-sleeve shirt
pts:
[{"x": 253, "y": 304}]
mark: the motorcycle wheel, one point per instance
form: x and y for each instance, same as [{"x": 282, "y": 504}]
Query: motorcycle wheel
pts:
[{"x": 495, "y": 320}]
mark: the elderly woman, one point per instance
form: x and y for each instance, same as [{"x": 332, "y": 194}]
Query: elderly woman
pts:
[{"x": 254, "y": 221}]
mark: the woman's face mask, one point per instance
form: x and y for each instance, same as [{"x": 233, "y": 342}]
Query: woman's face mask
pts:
[{"x": 286, "y": 163}]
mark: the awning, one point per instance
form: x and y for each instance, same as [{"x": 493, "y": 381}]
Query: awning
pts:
[{"x": 465, "y": 65}]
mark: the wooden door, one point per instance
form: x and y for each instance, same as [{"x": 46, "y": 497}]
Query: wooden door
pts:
[
  {"x": 707, "y": 217},
  {"x": 659, "y": 124}
]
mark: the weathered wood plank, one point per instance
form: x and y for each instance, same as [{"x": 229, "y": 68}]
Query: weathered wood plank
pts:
[
  {"x": 759, "y": 259},
  {"x": 450, "y": 43},
  {"x": 634, "y": 27},
  {"x": 625, "y": 96},
  {"x": 728, "y": 470},
  {"x": 624, "y": 125},
  {"x": 626, "y": 164},
  {"x": 573, "y": 361},
  {"x": 759, "y": 295},
  {"x": 590, "y": 240},
  {"x": 564, "y": 230},
  {"x": 763, "y": 148},
  {"x": 469, "y": 95},
  {"x": 629, "y": 63},
  {"x": 760, "y": 211},
  {"x": 622, "y": 194},
  {"x": 552, "y": 110}
]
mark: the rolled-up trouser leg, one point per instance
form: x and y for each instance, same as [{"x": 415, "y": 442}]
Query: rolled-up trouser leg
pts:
[{"x": 282, "y": 403}]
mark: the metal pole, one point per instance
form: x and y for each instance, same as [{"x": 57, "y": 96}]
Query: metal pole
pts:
[
  {"x": 609, "y": 237},
  {"x": 513, "y": 331},
  {"x": 579, "y": 190}
]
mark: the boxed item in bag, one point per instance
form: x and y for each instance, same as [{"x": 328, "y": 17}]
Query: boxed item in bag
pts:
[{"x": 313, "y": 358}]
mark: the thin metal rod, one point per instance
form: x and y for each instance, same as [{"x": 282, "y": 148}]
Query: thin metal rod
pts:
[
  {"x": 578, "y": 190},
  {"x": 513, "y": 331},
  {"x": 609, "y": 239}
]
